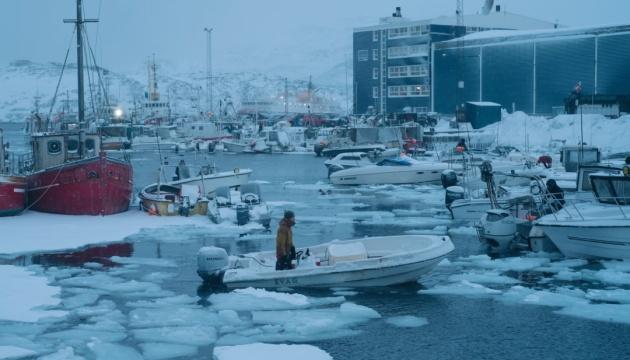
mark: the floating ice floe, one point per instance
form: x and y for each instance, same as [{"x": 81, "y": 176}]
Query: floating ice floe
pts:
[
  {"x": 502, "y": 264},
  {"x": 407, "y": 321},
  {"x": 198, "y": 335},
  {"x": 463, "y": 287},
  {"x": 163, "y": 302},
  {"x": 462, "y": 230},
  {"x": 14, "y": 352},
  {"x": 24, "y": 296},
  {"x": 601, "y": 312},
  {"x": 159, "y": 351},
  {"x": 621, "y": 296},
  {"x": 438, "y": 230},
  {"x": 283, "y": 204},
  {"x": 561, "y": 297},
  {"x": 374, "y": 215},
  {"x": 251, "y": 299},
  {"x": 66, "y": 353},
  {"x": 491, "y": 277},
  {"x": 616, "y": 265},
  {"x": 259, "y": 351},
  {"x": 107, "y": 351},
  {"x": 144, "y": 261},
  {"x": 608, "y": 276}
]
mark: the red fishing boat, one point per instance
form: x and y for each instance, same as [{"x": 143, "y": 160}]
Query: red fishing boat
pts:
[
  {"x": 12, "y": 195},
  {"x": 71, "y": 174}
]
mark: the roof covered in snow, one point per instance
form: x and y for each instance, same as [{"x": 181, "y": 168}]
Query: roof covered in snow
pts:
[
  {"x": 492, "y": 36},
  {"x": 494, "y": 20}
]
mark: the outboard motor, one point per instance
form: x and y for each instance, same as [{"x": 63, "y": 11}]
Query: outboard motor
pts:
[
  {"x": 453, "y": 193},
  {"x": 449, "y": 178},
  {"x": 242, "y": 215},
  {"x": 212, "y": 261}
]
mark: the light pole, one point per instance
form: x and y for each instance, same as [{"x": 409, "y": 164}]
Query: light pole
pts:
[{"x": 209, "y": 103}]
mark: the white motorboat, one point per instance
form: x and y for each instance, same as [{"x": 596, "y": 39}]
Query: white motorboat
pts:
[
  {"x": 599, "y": 229},
  {"x": 402, "y": 170},
  {"x": 375, "y": 261},
  {"x": 347, "y": 161},
  {"x": 247, "y": 146},
  {"x": 239, "y": 206}
]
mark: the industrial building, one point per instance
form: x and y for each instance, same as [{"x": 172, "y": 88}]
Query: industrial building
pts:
[
  {"x": 392, "y": 61},
  {"x": 532, "y": 71}
]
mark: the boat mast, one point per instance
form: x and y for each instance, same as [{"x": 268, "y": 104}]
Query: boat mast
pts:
[{"x": 79, "y": 21}]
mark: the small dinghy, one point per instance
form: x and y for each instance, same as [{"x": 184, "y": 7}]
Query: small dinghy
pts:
[{"x": 374, "y": 261}]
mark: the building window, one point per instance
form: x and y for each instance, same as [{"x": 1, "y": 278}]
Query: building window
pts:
[
  {"x": 418, "y": 30},
  {"x": 407, "y": 71},
  {"x": 418, "y": 70},
  {"x": 397, "y": 71},
  {"x": 362, "y": 55},
  {"x": 375, "y": 92},
  {"x": 421, "y": 109},
  {"x": 375, "y": 54},
  {"x": 407, "y": 51},
  {"x": 408, "y": 91},
  {"x": 398, "y": 33},
  {"x": 375, "y": 35},
  {"x": 374, "y": 73}
]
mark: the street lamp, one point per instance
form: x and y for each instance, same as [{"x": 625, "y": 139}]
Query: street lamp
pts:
[{"x": 209, "y": 105}]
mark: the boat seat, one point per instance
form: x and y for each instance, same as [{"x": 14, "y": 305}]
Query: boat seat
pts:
[{"x": 341, "y": 252}]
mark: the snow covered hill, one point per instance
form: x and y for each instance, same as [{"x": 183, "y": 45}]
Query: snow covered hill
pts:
[{"x": 23, "y": 81}]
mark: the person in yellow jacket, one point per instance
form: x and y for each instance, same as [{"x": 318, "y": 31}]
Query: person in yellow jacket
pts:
[{"x": 285, "y": 251}]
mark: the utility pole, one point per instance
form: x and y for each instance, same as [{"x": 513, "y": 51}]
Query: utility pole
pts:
[
  {"x": 209, "y": 103},
  {"x": 79, "y": 21},
  {"x": 286, "y": 95}
]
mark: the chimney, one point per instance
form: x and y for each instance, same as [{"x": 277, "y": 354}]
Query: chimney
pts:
[{"x": 498, "y": 8}]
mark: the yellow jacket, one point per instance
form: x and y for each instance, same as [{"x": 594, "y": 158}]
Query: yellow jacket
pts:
[{"x": 284, "y": 239}]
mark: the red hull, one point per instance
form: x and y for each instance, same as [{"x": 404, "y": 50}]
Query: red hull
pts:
[
  {"x": 95, "y": 186},
  {"x": 12, "y": 195}
]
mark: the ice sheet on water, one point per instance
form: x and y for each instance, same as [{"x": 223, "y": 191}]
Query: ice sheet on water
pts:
[
  {"x": 345, "y": 293},
  {"x": 308, "y": 187},
  {"x": 157, "y": 277},
  {"x": 409, "y": 222},
  {"x": 24, "y": 296},
  {"x": 269, "y": 351},
  {"x": 438, "y": 230},
  {"x": 621, "y": 296},
  {"x": 261, "y": 182},
  {"x": 175, "y": 315},
  {"x": 607, "y": 276},
  {"x": 111, "y": 284},
  {"x": 617, "y": 265},
  {"x": 144, "y": 261},
  {"x": 108, "y": 351},
  {"x": 14, "y": 352},
  {"x": 502, "y": 264},
  {"x": 284, "y": 204},
  {"x": 250, "y": 299},
  {"x": 465, "y": 288},
  {"x": 407, "y": 321},
  {"x": 561, "y": 297},
  {"x": 182, "y": 299},
  {"x": 562, "y": 265},
  {"x": 568, "y": 275},
  {"x": 197, "y": 335},
  {"x": 160, "y": 351},
  {"x": 462, "y": 230},
  {"x": 80, "y": 300},
  {"x": 601, "y": 312},
  {"x": 490, "y": 277},
  {"x": 22, "y": 342},
  {"x": 66, "y": 353},
  {"x": 419, "y": 213},
  {"x": 324, "y": 219},
  {"x": 78, "y": 337},
  {"x": 374, "y": 215}
]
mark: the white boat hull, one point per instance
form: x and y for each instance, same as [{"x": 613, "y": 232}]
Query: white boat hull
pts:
[
  {"x": 370, "y": 175},
  {"x": 208, "y": 183},
  {"x": 235, "y": 147},
  {"x": 590, "y": 240},
  {"x": 388, "y": 261}
]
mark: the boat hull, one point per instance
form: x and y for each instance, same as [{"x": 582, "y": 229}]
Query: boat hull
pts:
[
  {"x": 12, "y": 195},
  {"x": 387, "y": 261},
  {"x": 360, "y": 176},
  {"x": 235, "y": 147},
  {"x": 94, "y": 186},
  {"x": 590, "y": 241}
]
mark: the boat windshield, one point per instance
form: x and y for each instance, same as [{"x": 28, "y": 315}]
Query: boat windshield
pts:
[
  {"x": 400, "y": 161},
  {"x": 611, "y": 189}
]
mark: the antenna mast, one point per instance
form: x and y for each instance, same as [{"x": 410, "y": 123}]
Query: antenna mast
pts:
[{"x": 79, "y": 21}]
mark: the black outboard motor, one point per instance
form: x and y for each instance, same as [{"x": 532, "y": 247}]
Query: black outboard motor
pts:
[
  {"x": 453, "y": 193},
  {"x": 242, "y": 215},
  {"x": 318, "y": 148},
  {"x": 449, "y": 178}
]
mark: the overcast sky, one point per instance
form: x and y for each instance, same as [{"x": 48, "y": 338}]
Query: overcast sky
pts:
[{"x": 247, "y": 33}]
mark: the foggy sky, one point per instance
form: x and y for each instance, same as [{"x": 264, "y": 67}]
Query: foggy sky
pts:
[{"x": 247, "y": 35}]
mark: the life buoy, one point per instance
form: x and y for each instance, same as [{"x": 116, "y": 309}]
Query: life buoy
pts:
[{"x": 535, "y": 189}]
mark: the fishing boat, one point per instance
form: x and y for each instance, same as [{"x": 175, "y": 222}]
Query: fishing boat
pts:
[
  {"x": 373, "y": 261},
  {"x": 240, "y": 206},
  {"x": 12, "y": 187},
  {"x": 71, "y": 173}
]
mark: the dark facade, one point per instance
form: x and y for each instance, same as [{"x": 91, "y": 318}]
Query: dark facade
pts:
[
  {"x": 392, "y": 66},
  {"x": 531, "y": 72}
]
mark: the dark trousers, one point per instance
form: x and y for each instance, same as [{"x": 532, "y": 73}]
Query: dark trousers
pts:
[{"x": 283, "y": 263}]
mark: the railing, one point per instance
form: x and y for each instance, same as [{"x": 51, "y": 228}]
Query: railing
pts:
[{"x": 567, "y": 209}]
